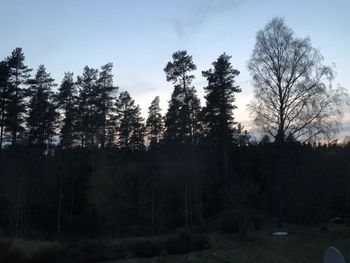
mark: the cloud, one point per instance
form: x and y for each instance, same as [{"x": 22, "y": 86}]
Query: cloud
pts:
[{"x": 202, "y": 12}]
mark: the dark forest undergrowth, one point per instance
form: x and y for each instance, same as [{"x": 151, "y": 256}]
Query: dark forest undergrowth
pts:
[{"x": 303, "y": 244}]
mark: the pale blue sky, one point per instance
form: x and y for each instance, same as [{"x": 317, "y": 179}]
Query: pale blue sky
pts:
[{"x": 139, "y": 37}]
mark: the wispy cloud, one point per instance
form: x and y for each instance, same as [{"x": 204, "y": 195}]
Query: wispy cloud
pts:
[{"x": 202, "y": 12}]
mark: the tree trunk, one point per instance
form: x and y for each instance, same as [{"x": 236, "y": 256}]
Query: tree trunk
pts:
[
  {"x": 59, "y": 211},
  {"x": 14, "y": 137},
  {"x": 1, "y": 135},
  {"x": 161, "y": 205},
  {"x": 60, "y": 197},
  {"x": 152, "y": 215},
  {"x": 71, "y": 212},
  {"x": 282, "y": 185},
  {"x": 2, "y": 126},
  {"x": 14, "y": 132},
  {"x": 18, "y": 209},
  {"x": 103, "y": 137},
  {"x": 200, "y": 200}
]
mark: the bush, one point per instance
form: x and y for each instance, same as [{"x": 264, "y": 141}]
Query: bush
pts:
[
  {"x": 184, "y": 242},
  {"x": 93, "y": 251},
  {"x": 174, "y": 246},
  {"x": 90, "y": 251},
  {"x": 184, "y": 235},
  {"x": 49, "y": 254},
  {"x": 12, "y": 256},
  {"x": 199, "y": 243},
  {"x": 229, "y": 222},
  {"x": 8, "y": 254},
  {"x": 118, "y": 251},
  {"x": 145, "y": 248},
  {"x": 5, "y": 245}
]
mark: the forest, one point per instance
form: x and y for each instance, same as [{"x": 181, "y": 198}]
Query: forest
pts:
[{"x": 78, "y": 160}]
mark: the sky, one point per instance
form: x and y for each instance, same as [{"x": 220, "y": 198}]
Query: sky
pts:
[{"x": 140, "y": 36}]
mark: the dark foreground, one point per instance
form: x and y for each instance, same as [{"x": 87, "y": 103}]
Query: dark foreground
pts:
[{"x": 303, "y": 244}]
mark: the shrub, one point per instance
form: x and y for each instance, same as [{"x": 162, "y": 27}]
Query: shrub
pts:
[
  {"x": 93, "y": 251},
  {"x": 89, "y": 251},
  {"x": 8, "y": 254},
  {"x": 229, "y": 222},
  {"x": 184, "y": 235},
  {"x": 174, "y": 245},
  {"x": 51, "y": 254},
  {"x": 145, "y": 248},
  {"x": 118, "y": 251},
  {"x": 199, "y": 243},
  {"x": 12, "y": 256},
  {"x": 5, "y": 245},
  {"x": 184, "y": 242}
]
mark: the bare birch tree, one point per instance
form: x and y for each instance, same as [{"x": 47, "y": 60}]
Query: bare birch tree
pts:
[{"x": 293, "y": 95}]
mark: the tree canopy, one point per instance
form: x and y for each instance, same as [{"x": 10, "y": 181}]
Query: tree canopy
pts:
[{"x": 293, "y": 95}]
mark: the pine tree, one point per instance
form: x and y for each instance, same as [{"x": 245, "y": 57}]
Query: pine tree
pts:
[
  {"x": 137, "y": 137},
  {"x": 241, "y": 136},
  {"x": 218, "y": 113},
  {"x": 68, "y": 102},
  {"x": 88, "y": 107},
  {"x": 131, "y": 128},
  {"x": 19, "y": 74},
  {"x": 106, "y": 96},
  {"x": 4, "y": 97},
  {"x": 182, "y": 119},
  {"x": 42, "y": 114},
  {"x": 220, "y": 98},
  {"x": 154, "y": 123}
]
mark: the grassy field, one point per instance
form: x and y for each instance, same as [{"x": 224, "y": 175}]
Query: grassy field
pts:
[{"x": 303, "y": 244}]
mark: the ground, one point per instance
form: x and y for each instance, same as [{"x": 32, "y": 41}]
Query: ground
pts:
[{"x": 303, "y": 244}]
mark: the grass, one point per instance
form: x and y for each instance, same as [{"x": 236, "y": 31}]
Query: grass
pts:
[
  {"x": 303, "y": 244},
  {"x": 89, "y": 251},
  {"x": 29, "y": 247}
]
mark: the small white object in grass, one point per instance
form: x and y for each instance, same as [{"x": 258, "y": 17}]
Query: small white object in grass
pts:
[{"x": 280, "y": 234}]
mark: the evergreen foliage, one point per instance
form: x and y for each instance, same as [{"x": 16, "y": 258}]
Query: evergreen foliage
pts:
[{"x": 42, "y": 114}]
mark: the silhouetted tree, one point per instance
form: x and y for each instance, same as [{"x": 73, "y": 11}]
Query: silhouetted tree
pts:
[
  {"x": 221, "y": 129},
  {"x": 88, "y": 106},
  {"x": 131, "y": 128},
  {"x": 68, "y": 102},
  {"x": 138, "y": 130},
  {"x": 182, "y": 119},
  {"x": 42, "y": 112},
  {"x": 19, "y": 74},
  {"x": 220, "y": 98},
  {"x": 293, "y": 95},
  {"x": 4, "y": 97},
  {"x": 106, "y": 93},
  {"x": 154, "y": 123},
  {"x": 241, "y": 136}
]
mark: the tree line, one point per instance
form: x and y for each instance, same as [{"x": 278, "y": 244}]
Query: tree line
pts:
[
  {"x": 89, "y": 112},
  {"x": 81, "y": 160}
]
